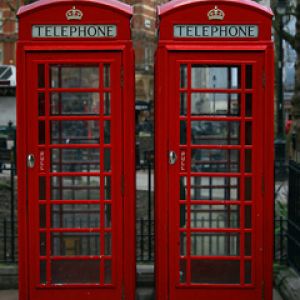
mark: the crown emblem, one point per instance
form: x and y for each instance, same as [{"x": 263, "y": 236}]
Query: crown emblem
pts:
[
  {"x": 74, "y": 14},
  {"x": 216, "y": 14}
]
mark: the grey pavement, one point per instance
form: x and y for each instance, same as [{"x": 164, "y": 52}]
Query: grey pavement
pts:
[{"x": 13, "y": 295}]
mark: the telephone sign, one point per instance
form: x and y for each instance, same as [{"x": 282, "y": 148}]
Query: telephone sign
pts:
[
  {"x": 214, "y": 151},
  {"x": 75, "y": 127}
]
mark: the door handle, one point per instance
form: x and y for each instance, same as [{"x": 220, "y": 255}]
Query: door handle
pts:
[
  {"x": 172, "y": 157},
  {"x": 30, "y": 161}
]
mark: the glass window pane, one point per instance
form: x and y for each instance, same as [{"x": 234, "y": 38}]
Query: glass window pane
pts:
[
  {"x": 248, "y": 216},
  {"x": 75, "y": 216},
  {"x": 74, "y": 104},
  {"x": 75, "y": 271},
  {"x": 248, "y": 161},
  {"x": 183, "y": 104},
  {"x": 183, "y": 188},
  {"x": 215, "y": 133},
  {"x": 248, "y": 188},
  {"x": 215, "y": 216},
  {"x": 41, "y": 76},
  {"x": 248, "y": 105},
  {"x": 183, "y": 76},
  {"x": 215, "y": 104},
  {"x": 42, "y": 216},
  {"x": 75, "y": 243},
  {"x": 214, "y": 188},
  {"x": 75, "y": 132},
  {"x": 42, "y": 132},
  {"x": 107, "y": 271},
  {"x": 107, "y": 188},
  {"x": 182, "y": 243},
  {"x": 75, "y": 188},
  {"x": 107, "y": 161},
  {"x": 215, "y": 244},
  {"x": 248, "y": 272},
  {"x": 182, "y": 270},
  {"x": 248, "y": 77},
  {"x": 106, "y": 75},
  {"x": 42, "y": 188},
  {"x": 75, "y": 160},
  {"x": 107, "y": 132},
  {"x": 215, "y": 271},
  {"x": 183, "y": 129},
  {"x": 107, "y": 216},
  {"x": 107, "y": 243},
  {"x": 221, "y": 77},
  {"x": 43, "y": 244},
  {"x": 248, "y": 244},
  {"x": 210, "y": 160},
  {"x": 183, "y": 216},
  {"x": 41, "y": 97},
  {"x": 74, "y": 76},
  {"x": 107, "y": 104},
  {"x": 248, "y": 133},
  {"x": 43, "y": 265}
]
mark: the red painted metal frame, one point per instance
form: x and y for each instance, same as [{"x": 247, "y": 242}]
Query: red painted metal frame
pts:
[
  {"x": 171, "y": 52},
  {"x": 116, "y": 50}
]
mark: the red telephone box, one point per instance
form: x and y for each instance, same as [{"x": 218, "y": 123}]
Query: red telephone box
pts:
[
  {"x": 76, "y": 150},
  {"x": 214, "y": 151}
]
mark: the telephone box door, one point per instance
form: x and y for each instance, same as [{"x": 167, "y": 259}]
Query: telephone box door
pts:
[
  {"x": 74, "y": 175},
  {"x": 215, "y": 230}
]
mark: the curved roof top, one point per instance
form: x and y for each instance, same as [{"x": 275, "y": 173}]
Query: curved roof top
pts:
[
  {"x": 122, "y": 7},
  {"x": 176, "y": 4}
]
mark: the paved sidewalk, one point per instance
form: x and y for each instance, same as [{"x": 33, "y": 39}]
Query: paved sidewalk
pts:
[{"x": 13, "y": 295}]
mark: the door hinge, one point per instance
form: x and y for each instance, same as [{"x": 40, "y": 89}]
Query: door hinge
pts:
[
  {"x": 122, "y": 76},
  {"x": 263, "y": 290},
  {"x": 122, "y": 185}
]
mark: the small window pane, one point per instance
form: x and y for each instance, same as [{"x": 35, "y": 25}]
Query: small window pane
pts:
[
  {"x": 183, "y": 76},
  {"x": 75, "y": 188},
  {"x": 74, "y": 76},
  {"x": 183, "y": 129},
  {"x": 41, "y": 76},
  {"x": 248, "y": 272},
  {"x": 214, "y": 188},
  {"x": 75, "y": 132},
  {"x": 248, "y": 105},
  {"x": 248, "y": 244},
  {"x": 75, "y": 243},
  {"x": 42, "y": 132},
  {"x": 41, "y": 97},
  {"x": 74, "y": 104},
  {"x": 215, "y": 216},
  {"x": 215, "y": 133},
  {"x": 182, "y": 270},
  {"x": 75, "y": 216},
  {"x": 183, "y": 216},
  {"x": 183, "y": 188},
  {"x": 215, "y": 271},
  {"x": 107, "y": 104},
  {"x": 215, "y": 244},
  {"x": 107, "y": 161},
  {"x": 75, "y": 160},
  {"x": 42, "y": 216},
  {"x": 182, "y": 243},
  {"x": 248, "y": 216},
  {"x": 215, "y": 104},
  {"x": 107, "y": 188},
  {"x": 43, "y": 244},
  {"x": 107, "y": 216},
  {"x": 107, "y": 132},
  {"x": 43, "y": 265},
  {"x": 221, "y": 77},
  {"x": 107, "y": 243},
  {"x": 75, "y": 271},
  {"x": 106, "y": 75},
  {"x": 248, "y": 77},
  {"x": 208, "y": 160},
  {"x": 248, "y": 161},
  {"x": 107, "y": 271},
  {"x": 183, "y": 104},
  {"x": 248, "y": 133},
  {"x": 248, "y": 188},
  {"x": 42, "y": 188}
]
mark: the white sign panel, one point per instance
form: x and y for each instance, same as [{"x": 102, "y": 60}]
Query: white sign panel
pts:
[
  {"x": 74, "y": 31},
  {"x": 215, "y": 31}
]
